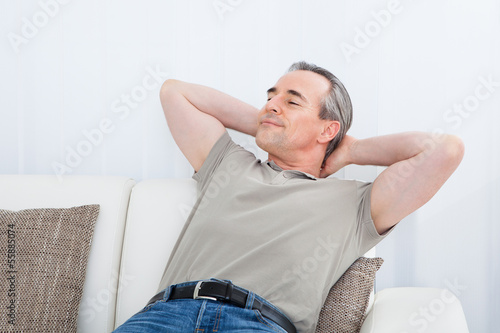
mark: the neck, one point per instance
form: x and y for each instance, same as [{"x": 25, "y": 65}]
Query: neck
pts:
[{"x": 312, "y": 166}]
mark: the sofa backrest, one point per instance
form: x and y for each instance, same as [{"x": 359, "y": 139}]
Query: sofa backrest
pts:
[
  {"x": 157, "y": 212},
  {"x": 137, "y": 227},
  {"x": 17, "y": 192}
]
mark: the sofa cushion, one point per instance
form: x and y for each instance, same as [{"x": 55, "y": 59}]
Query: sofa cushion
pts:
[
  {"x": 157, "y": 213},
  {"x": 346, "y": 303},
  {"x": 45, "y": 253}
]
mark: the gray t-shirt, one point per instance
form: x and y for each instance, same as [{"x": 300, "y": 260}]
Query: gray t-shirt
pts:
[{"x": 283, "y": 234}]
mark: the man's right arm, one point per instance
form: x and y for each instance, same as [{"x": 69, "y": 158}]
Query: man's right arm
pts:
[{"x": 197, "y": 117}]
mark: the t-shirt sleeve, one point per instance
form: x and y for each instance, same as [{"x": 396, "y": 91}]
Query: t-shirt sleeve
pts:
[
  {"x": 221, "y": 148},
  {"x": 368, "y": 236}
]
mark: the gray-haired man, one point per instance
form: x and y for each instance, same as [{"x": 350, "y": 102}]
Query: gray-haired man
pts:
[{"x": 236, "y": 265}]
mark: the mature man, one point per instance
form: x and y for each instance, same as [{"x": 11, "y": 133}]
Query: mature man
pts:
[{"x": 236, "y": 265}]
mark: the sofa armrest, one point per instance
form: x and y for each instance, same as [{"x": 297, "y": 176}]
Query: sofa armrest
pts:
[{"x": 409, "y": 310}]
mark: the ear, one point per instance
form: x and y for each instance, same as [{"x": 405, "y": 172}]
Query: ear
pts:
[{"x": 330, "y": 130}]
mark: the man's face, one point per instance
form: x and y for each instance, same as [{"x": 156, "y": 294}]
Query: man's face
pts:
[{"x": 289, "y": 122}]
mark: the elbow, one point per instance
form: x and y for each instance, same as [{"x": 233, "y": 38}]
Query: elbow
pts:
[
  {"x": 168, "y": 87},
  {"x": 169, "y": 93},
  {"x": 453, "y": 149},
  {"x": 170, "y": 84}
]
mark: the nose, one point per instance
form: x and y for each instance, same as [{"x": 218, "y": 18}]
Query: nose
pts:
[{"x": 273, "y": 105}]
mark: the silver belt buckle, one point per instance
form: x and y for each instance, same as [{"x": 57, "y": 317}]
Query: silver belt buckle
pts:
[{"x": 197, "y": 290}]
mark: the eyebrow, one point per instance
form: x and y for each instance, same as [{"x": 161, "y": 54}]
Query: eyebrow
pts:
[{"x": 289, "y": 91}]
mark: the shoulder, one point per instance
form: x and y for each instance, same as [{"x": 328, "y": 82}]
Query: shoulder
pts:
[
  {"x": 357, "y": 187},
  {"x": 225, "y": 155}
]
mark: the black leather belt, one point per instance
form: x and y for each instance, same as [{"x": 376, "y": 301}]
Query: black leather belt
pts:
[{"x": 226, "y": 292}]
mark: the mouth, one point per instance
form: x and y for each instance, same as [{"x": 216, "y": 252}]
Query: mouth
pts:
[
  {"x": 271, "y": 122},
  {"x": 268, "y": 123}
]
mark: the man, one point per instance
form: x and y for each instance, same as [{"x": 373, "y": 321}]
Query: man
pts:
[{"x": 238, "y": 265}]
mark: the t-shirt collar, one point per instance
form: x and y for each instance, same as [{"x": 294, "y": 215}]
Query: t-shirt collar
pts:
[{"x": 299, "y": 174}]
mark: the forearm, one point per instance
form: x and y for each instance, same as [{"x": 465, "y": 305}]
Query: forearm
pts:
[
  {"x": 389, "y": 149},
  {"x": 418, "y": 164},
  {"x": 398, "y": 150},
  {"x": 231, "y": 112}
]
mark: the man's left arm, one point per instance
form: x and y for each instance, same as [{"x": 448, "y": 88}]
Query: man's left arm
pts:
[{"x": 418, "y": 165}]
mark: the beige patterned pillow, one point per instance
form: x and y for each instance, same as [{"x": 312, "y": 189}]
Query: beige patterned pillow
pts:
[
  {"x": 43, "y": 259},
  {"x": 346, "y": 303}
]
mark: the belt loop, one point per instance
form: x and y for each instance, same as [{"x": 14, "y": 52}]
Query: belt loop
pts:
[
  {"x": 229, "y": 292},
  {"x": 250, "y": 299},
  {"x": 167, "y": 293}
]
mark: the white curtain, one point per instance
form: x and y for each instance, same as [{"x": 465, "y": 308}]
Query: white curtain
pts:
[{"x": 80, "y": 82}]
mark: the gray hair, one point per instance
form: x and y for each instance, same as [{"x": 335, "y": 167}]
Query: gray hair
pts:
[{"x": 336, "y": 105}]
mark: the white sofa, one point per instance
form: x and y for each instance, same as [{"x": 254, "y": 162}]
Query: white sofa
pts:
[{"x": 137, "y": 227}]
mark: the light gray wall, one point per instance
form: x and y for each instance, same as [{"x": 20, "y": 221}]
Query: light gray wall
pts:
[{"x": 80, "y": 82}]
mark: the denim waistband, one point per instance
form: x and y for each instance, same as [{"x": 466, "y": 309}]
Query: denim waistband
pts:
[
  {"x": 285, "y": 322},
  {"x": 249, "y": 303}
]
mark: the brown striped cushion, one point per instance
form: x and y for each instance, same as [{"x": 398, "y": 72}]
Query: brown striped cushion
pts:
[
  {"x": 346, "y": 303},
  {"x": 43, "y": 259}
]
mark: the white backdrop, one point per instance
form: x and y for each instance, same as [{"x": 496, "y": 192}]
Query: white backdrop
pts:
[{"x": 80, "y": 82}]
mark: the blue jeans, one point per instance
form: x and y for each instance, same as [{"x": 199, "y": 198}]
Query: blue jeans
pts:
[{"x": 198, "y": 316}]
